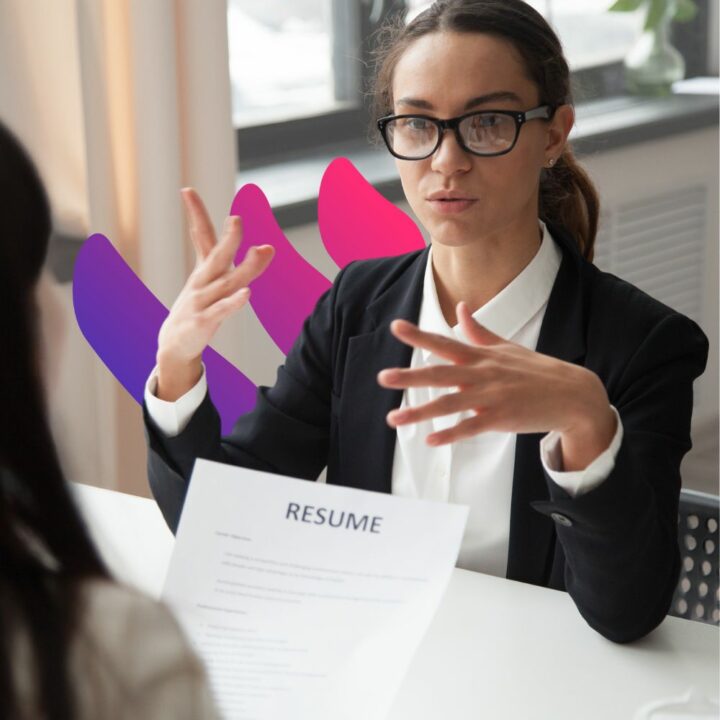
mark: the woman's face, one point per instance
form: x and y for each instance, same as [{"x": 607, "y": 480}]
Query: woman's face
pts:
[{"x": 438, "y": 75}]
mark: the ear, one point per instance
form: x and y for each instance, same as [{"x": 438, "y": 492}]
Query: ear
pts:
[
  {"x": 558, "y": 131},
  {"x": 474, "y": 331}
]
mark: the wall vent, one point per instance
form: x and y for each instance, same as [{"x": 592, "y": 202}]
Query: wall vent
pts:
[{"x": 657, "y": 243}]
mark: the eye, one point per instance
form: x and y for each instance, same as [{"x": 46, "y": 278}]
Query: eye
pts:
[
  {"x": 487, "y": 120},
  {"x": 416, "y": 123}
]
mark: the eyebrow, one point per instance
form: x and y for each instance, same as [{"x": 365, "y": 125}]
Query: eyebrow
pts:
[{"x": 479, "y": 100}]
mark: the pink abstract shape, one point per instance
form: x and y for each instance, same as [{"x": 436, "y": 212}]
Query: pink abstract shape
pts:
[
  {"x": 286, "y": 293},
  {"x": 356, "y": 222}
]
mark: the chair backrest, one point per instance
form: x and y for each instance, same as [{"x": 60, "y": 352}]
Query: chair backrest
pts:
[{"x": 697, "y": 596}]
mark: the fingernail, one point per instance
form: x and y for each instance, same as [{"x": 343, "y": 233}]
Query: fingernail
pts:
[{"x": 230, "y": 223}]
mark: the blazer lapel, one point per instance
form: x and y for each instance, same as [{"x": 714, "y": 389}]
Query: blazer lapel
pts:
[
  {"x": 367, "y": 442},
  {"x": 562, "y": 335}
]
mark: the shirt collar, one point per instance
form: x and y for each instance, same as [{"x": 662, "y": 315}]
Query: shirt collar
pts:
[{"x": 507, "y": 312}]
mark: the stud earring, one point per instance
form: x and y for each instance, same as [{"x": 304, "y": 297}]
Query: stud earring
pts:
[{"x": 551, "y": 162}]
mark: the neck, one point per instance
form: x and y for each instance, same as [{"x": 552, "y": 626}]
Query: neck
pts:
[{"x": 478, "y": 271}]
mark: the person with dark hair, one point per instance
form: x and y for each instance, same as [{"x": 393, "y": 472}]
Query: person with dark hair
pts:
[
  {"x": 73, "y": 643},
  {"x": 497, "y": 368}
]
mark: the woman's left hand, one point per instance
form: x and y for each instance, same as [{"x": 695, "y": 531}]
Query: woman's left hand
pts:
[{"x": 508, "y": 387}]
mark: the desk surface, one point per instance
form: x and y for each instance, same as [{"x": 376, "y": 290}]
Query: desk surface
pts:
[
  {"x": 502, "y": 649},
  {"x": 495, "y": 649}
]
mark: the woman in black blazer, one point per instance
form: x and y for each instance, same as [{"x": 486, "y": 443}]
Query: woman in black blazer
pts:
[{"x": 476, "y": 106}]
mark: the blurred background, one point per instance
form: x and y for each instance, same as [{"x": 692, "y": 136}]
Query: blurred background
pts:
[{"x": 123, "y": 102}]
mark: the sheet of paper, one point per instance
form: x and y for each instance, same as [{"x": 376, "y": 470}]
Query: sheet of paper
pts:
[{"x": 307, "y": 600}]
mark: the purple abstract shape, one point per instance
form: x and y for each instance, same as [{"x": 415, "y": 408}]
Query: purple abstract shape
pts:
[
  {"x": 356, "y": 222},
  {"x": 121, "y": 318},
  {"x": 286, "y": 293}
]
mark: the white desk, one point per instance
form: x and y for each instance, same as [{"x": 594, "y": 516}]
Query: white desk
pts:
[
  {"x": 130, "y": 533},
  {"x": 502, "y": 649},
  {"x": 496, "y": 648}
]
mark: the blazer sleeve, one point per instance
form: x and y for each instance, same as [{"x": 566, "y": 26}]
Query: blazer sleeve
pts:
[
  {"x": 622, "y": 558},
  {"x": 287, "y": 432}
]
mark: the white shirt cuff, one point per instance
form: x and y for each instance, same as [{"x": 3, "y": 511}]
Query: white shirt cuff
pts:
[
  {"x": 579, "y": 482},
  {"x": 172, "y": 417}
]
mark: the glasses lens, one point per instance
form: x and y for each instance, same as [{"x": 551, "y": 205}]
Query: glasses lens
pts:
[
  {"x": 488, "y": 132},
  {"x": 411, "y": 136}
]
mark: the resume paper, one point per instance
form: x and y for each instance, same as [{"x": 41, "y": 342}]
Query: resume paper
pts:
[{"x": 306, "y": 600}]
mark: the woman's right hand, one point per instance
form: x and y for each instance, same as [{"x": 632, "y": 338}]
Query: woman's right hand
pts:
[{"x": 215, "y": 289}]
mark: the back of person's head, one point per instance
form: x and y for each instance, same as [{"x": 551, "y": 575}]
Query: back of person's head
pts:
[
  {"x": 45, "y": 551},
  {"x": 567, "y": 196}
]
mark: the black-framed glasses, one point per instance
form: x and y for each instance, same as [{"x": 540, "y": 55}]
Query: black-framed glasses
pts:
[{"x": 486, "y": 133}]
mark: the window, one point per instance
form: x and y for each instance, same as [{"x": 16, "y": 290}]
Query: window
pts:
[
  {"x": 283, "y": 61},
  {"x": 590, "y": 35},
  {"x": 297, "y": 72}
]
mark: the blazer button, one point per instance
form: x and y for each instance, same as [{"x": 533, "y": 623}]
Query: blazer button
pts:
[{"x": 563, "y": 520}]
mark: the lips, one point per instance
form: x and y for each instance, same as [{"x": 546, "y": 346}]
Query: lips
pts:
[
  {"x": 449, "y": 201},
  {"x": 451, "y": 205},
  {"x": 448, "y": 196}
]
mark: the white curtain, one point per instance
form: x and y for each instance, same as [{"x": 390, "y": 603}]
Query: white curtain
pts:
[{"x": 121, "y": 103}]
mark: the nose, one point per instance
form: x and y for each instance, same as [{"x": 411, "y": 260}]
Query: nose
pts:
[{"x": 450, "y": 158}]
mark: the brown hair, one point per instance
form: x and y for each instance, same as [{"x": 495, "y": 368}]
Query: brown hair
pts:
[{"x": 567, "y": 195}]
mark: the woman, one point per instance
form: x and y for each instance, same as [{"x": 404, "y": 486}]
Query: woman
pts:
[
  {"x": 73, "y": 644},
  {"x": 552, "y": 398}
]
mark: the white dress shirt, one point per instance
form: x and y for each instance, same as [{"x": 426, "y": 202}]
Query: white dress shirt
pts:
[{"x": 477, "y": 472}]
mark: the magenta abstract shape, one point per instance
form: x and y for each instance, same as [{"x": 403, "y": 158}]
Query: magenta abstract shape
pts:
[
  {"x": 286, "y": 293},
  {"x": 121, "y": 318},
  {"x": 356, "y": 222}
]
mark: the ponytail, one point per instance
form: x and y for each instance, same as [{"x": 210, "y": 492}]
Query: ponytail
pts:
[{"x": 568, "y": 198}]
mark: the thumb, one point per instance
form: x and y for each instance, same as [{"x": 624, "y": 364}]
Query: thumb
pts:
[{"x": 474, "y": 331}]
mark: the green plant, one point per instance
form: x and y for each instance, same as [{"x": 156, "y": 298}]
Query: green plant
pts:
[{"x": 678, "y": 10}]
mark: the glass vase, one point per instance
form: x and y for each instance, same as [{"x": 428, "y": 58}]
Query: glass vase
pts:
[{"x": 653, "y": 64}]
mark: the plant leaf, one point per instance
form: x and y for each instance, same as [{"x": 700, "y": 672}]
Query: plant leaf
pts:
[
  {"x": 625, "y": 5},
  {"x": 685, "y": 11},
  {"x": 656, "y": 11}
]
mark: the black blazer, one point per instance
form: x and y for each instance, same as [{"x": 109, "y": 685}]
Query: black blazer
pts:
[{"x": 616, "y": 551}]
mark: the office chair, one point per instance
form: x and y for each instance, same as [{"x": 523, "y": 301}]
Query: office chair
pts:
[{"x": 697, "y": 596}]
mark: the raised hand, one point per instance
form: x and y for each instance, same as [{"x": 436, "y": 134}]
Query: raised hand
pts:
[
  {"x": 507, "y": 388},
  {"x": 215, "y": 289}
]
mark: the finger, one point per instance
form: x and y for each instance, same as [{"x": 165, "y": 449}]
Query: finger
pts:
[
  {"x": 257, "y": 259},
  {"x": 255, "y": 262},
  {"x": 219, "y": 260},
  {"x": 446, "y": 405},
  {"x": 435, "y": 376},
  {"x": 473, "y": 330},
  {"x": 223, "y": 255},
  {"x": 462, "y": 431},
  {"x": 445, "y": 347},
  {"x": 200, "y": 226},
  {"x": 220, "y": 310}
]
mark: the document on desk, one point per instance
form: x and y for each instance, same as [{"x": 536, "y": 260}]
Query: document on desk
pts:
[{"x": 306, "y": 600}]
